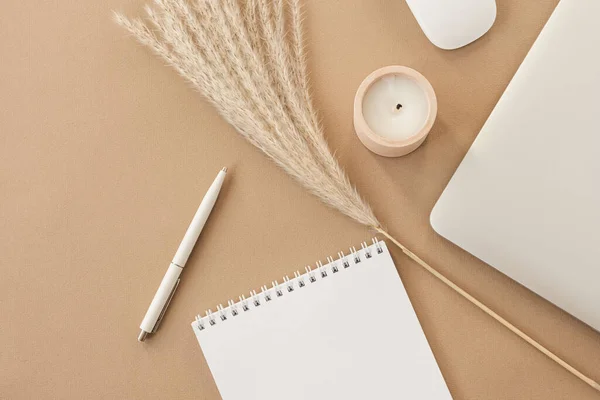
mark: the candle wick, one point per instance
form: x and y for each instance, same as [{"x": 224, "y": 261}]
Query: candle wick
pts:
[{"x": 398, "y": 106}]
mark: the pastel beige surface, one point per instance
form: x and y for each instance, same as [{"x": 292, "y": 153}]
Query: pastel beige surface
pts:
[{"x": 106, "y": 153}]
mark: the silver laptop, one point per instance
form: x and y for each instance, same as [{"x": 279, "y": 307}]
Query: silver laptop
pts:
[{"x": 526, "y": 198}]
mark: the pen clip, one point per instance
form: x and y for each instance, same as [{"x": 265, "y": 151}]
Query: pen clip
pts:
[{"x": 164, "y": 310}]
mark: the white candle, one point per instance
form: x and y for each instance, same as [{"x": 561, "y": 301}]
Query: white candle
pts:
[
  {"x": 395, "y": 107},
  {"x": 394, "y": 110}
]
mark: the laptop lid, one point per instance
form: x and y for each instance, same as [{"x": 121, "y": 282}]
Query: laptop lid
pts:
[{"x": 526, "y": 197}]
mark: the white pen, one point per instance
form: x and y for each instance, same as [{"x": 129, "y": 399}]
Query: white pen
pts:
[{"x": 169, "y": 284}]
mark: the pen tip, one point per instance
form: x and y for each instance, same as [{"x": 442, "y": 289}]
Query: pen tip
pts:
[
  {"x": 224, "y": 169},
  {"x": 142, "y": 336}
]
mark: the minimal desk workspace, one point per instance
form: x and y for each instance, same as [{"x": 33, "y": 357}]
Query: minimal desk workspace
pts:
[{"x": 106, "y": 153}]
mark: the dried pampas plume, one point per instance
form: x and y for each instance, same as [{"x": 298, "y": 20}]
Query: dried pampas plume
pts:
[
  {"x": 259, "y": 86},
  {"x": 247, "y": 57}
]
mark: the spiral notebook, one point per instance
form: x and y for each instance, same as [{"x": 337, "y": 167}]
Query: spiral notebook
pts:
[{"x": 344, "y": 330}]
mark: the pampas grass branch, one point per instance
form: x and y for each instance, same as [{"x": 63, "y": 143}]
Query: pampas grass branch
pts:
[{"x": 248, "y": 58}]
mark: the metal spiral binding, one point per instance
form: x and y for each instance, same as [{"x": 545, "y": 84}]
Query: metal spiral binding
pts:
[{"x": 289, "y": 286}]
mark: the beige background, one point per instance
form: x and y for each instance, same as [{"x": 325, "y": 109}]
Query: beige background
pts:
[{"x": 105, "y": 154}]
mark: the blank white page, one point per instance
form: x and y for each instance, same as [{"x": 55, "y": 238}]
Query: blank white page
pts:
[{"x": 352, "y": 334}]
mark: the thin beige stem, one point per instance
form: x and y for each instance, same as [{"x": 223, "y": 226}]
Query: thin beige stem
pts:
[{"x": 490, "y": 312}]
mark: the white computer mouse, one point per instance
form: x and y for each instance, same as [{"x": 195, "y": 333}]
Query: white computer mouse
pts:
[{"x": 450, "y": 24}]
